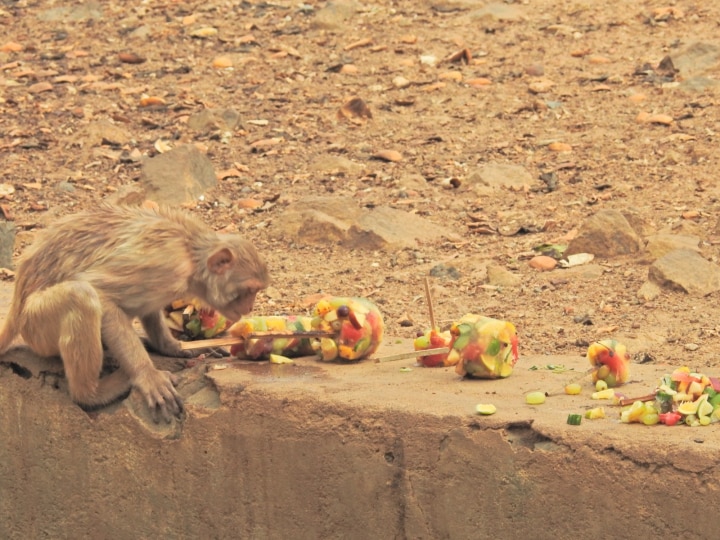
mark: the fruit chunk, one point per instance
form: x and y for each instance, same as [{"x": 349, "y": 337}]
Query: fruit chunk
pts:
[
  {"x": 594, "y": 414},
  {"x": 485, "y": 409},
  {"x": 573, "y": 389},
  {"x": 574, "y": 419},
  {"x": 608, "y": 393},
  {"x": 535, "y": 398}
]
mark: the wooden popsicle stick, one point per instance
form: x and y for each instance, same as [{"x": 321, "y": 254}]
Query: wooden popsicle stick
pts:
[
  {"x": 232, "y": 340},
  {"x": 413, "y": 354},
  {"x": 215, "y": 342},
  {"x": 428, "y": 298}
]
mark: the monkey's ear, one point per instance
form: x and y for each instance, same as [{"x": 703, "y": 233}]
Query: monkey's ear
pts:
[{"x": 220, "y": 261}]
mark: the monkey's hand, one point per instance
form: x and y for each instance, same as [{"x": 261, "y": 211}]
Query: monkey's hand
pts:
[{"x": 158, "y": 389}]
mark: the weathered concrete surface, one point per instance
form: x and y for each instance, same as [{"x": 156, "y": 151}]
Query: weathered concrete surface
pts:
[{"x": 347, "y": 451}]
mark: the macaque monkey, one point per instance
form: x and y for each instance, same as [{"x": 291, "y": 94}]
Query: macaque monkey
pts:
[{"x": 81, "y": 283}]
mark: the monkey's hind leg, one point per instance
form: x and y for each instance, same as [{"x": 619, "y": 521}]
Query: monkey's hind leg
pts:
[{"x": 65, "y": 320}]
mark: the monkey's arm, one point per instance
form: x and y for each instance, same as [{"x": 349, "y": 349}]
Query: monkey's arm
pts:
[
  {"x": 157, "y": 387},
  {"x": 160, "y": 338},
  {"x": 163, "y": 342}
]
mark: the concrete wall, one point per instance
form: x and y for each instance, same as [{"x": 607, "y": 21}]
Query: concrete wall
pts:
[{"x": 252, "y": 463}]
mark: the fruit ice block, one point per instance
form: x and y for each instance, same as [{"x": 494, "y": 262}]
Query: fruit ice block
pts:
[
  {"x": 434, "y": 339},
  {"x": 356, "y": 323},
  {"x": 190, "y": 320},
  {"x": 263, "y": 347},
  {"x": 355, "y": 326},
  {"x": 483, "y": 347},
  {"x": 610, "y": 361}
]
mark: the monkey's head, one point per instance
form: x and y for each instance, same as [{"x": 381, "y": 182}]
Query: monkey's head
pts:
[{"x": 236, "y": 273}]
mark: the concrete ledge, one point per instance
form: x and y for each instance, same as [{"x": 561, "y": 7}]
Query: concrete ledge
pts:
[{"x": 348, "y": 451}]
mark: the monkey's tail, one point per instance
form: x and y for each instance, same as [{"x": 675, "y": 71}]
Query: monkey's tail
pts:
[{"x": 110, "y": 388}]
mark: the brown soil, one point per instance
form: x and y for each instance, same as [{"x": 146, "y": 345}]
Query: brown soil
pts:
[{"x": 287, "y": 85}]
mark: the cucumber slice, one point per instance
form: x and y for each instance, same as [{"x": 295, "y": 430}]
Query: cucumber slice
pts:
[{"x": 574, "y": 419}]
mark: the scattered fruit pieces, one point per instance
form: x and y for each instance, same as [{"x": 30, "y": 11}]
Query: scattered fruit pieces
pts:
[
  {"x": 573, "y": 389},
  {"x": 574, "y": 419},
  {"x": 608, "y": 393},
  {"x": 595, "y": 413},
  {"x": 279, "y": 359},
  {"x": 485, "y": 409},
  {"x": 535, "y": 398}
]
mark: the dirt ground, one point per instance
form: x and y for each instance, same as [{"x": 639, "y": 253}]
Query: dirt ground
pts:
[{"x": 503, "y": 90}]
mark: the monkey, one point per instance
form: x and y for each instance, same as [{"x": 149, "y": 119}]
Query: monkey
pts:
[{"x": 84, "y": 280}]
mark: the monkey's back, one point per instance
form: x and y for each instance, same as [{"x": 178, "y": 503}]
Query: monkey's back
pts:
[{"x": 120, "y": 250}]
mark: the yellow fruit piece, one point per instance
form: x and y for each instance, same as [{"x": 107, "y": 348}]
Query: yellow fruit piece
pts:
[
  {"x": 705, "y": 408},
  {"x": 573, "y": 389},
  {"x": 608, "y": 393},
  {"x": 485, "y": 409},
  {"x": 535, "y": 398},
  {"x": 601, "y": 385},
  {"x": 594, "y": 414},
  {"x": 688, "y": 407},
  {"x": 279, "y": 359},
  {"x": 636, "y": 411}
]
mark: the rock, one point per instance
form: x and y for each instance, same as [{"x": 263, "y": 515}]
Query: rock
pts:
[
  {"x": 662, "y": 244},
  {"x": 500, "y": 276},
  {"x": 178, "y": 176},
  {"x": 209, "y": 120},
  {"x": 334, "y": 165},
  {"x": 7, "y": 244},
  {"x": 498, "y": 175},
  {"x": 543, "y": 262},
  {"x": 129, "y": 195},
  {"x": 498, "y": 11},
  {"x": 335, "y": 15},
  {"x": 83, "y": 12},
  {"x": 687, "y": 271},
  {"x": 322, "y": 220},
  {"x": 696, "y": 59},
  {"x": 648, "y": 291},
  {"x": 444, "y": 271},
  {"x": 104, "y": 132},
  {"x": 606, "y": 234}
]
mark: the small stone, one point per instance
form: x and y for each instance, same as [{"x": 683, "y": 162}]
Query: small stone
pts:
[
  {"x": 478, "y": 82},
  {"x": 349, "y": 69},
  {"x": 222, "y": 62},
  {"x": 543, "y": 262},
  {"x": 451, "y": 76},
  {"x": 535, "y": 70},
  {"x": 11, "y": 46},
  {"x": 130, "y": 58},
  {"x": 541, "y": 86},
  {"x": 388, "y": 155},
  {"x": 40, "y": 87},
  {"x": 559, "y": 147},
  {"x": 400, "y": 82},
  {"x": 692, "y": 346}
]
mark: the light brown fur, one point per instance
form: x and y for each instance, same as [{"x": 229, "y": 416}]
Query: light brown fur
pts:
[{"x": 82, "y": 282}]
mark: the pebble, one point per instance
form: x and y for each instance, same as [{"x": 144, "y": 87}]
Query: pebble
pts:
[
  {"x": 222, "y": 62},
  {"x": 543, "y": 262},
  {"x": 388, "y": 155},
  {"x": 540, "y": 87},
  {"x": 400, "y": 82},
  {"x": 559, "y": 147},
  {"x": 692, "y": 346}
]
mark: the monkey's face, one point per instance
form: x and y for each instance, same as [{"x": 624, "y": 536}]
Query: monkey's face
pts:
[{"x": 241, "y": 304}]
